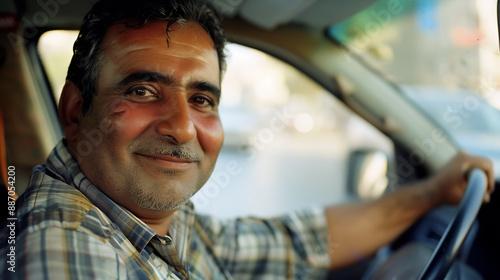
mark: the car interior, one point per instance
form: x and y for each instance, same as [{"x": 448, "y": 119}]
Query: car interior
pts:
[{"x": 459, "y": 242}]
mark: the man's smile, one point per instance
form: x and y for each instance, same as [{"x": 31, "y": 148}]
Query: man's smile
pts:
[{"x": 169, "y": 162}]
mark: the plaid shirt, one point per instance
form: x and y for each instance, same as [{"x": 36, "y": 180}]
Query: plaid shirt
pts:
[{"x": 68, "y": 229}]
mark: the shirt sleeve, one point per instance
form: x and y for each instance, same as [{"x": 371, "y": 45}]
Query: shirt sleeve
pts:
[
  {"x": 60, "y": 253},
  {"x": 293, "y": 246}
]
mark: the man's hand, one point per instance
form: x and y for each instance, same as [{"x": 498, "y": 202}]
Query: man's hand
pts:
[
  {"x": 448, "y": 185},
  {"x": 360, "y": 229}
]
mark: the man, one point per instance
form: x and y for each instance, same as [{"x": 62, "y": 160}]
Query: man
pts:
[{"x": 144, "y": 84}]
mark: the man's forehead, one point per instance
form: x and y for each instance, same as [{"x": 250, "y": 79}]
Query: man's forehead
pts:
[
  {"x": 186, "y": 33},
  {"x": 146, "y": 49}
]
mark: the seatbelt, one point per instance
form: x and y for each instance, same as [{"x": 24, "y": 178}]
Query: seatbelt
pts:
[{"x": 3, "y": 156}]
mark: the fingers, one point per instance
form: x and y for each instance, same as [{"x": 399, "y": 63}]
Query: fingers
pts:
[
  {"x": 486, "y": 198},
  {"x": 471, "y": 162}
]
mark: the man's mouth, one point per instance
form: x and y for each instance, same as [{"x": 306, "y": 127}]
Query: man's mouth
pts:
[
  {"x": 170, "y": 158},
  {"x": 169, "y": 162}
]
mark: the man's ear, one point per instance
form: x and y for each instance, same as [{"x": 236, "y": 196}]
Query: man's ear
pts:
[{"x": 70, "y": 110}]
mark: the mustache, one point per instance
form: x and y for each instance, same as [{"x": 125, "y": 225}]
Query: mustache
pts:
[{"x": 162, "y": 146}]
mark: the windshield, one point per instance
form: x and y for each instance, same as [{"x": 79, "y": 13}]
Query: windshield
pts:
[
  {"x": 442, "y": 54},
  {"x": 450, "y": 44}
]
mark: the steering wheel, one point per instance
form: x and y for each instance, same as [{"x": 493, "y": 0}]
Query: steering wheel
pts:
[
  {"x": 415, "y": 259},
  {"x": 447, "y": 248}
]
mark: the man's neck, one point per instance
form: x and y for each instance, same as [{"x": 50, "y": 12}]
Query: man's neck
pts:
[{"x": 158, "y": 221}]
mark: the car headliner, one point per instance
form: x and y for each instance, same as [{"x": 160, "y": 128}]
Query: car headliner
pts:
[{"x": 317, "y": 14}]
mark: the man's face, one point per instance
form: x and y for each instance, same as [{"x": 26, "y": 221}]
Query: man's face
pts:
[{"x": 154, "y": 124}]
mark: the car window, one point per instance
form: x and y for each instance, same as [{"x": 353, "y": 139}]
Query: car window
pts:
[
  {"x": 287, "y": 140},
  {"x": 56, "y": 49}
]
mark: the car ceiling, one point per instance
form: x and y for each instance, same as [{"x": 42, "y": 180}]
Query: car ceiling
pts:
[{"x": 261, "y": 13}]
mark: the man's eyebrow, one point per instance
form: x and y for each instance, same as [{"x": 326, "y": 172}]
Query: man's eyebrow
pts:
[
  {"x": 146, "y": 76},
  {"x": 206, "y": 86}
]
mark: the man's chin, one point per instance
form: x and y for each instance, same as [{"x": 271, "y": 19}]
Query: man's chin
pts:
[
  {"x": 163, "y": 200},
  {"x": 162, "y": 205}
]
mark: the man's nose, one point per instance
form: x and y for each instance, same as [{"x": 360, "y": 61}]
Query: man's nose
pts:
[{"x": 176, "y": 123}]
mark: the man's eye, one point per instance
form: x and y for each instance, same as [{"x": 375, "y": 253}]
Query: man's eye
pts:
[
  {"x": 203, "y": 101},
  {"x": 142, "y": 92}
]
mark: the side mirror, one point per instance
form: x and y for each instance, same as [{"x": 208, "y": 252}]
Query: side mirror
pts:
[{"x": 367, "y": 174}]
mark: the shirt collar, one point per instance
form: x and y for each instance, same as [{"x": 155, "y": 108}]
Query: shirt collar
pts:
[{"x": 62, "y": 163}]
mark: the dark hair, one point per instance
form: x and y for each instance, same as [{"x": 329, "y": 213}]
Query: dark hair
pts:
[{"x": 88, "y": 58}]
